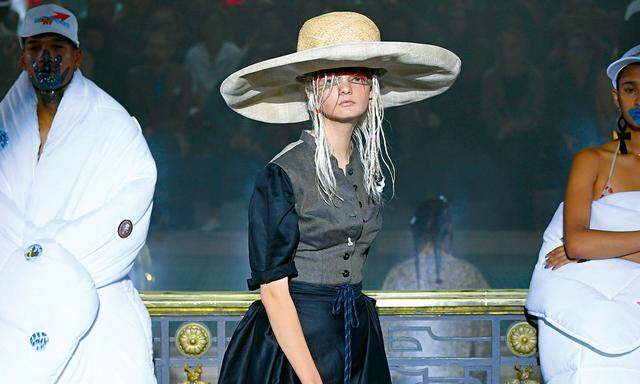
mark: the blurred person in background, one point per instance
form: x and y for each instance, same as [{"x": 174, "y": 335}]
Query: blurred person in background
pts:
[
  {"x": 161, "y": 97},
  {"x": 573, "y": 103},
  {"x": 630, "y": 29},
  {"x": 433, "y": 266},
  {"x": 512, "y": 104},
  {"x": 212, "y": 58},
  {"x": 9, "y": 69},
  {"x": 9, "y": 46}
]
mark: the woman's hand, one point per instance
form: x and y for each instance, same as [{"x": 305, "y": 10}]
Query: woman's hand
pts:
[{"x": 557, "y": 258}]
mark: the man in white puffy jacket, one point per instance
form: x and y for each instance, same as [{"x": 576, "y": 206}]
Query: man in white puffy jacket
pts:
[{"x": 76, "y": 189}]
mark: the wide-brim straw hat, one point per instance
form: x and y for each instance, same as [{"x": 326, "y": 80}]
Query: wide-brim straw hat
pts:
[{"x": 272, "y": 90}]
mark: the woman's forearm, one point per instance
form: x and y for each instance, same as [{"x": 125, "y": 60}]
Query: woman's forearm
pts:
[
  {"x": 635, "y": 257},
  {"x": 288, "y": 331},
  {"x": 593, "y": 244}
]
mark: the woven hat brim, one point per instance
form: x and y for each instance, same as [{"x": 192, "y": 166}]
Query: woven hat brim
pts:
[{"x": 270, "y": 91}]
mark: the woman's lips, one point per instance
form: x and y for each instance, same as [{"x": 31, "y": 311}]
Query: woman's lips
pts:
[
  {"x": 346, "y": 103},
  {"x": 635, "y": 114}
]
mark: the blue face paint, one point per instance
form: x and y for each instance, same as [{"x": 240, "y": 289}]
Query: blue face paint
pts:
[
  {"x": 49, "y": 81},
  {"x": 45, "y": 78},
  {"x": 635, "y": 115}
]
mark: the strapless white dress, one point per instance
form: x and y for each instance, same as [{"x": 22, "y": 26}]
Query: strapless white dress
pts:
[{"x": 589, "y": 313}]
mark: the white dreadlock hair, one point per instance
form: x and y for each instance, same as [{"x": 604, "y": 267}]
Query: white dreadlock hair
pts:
[{"x": 368, "y": 136}]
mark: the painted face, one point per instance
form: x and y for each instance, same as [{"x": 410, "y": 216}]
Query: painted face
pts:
[
  {"x": 629, "y": 94},
  {"x": 49, "y": 61},
  {"x": 345, "y": 93}
]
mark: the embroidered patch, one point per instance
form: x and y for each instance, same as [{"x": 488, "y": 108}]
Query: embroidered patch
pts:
[
  {"x": 39, "y": 341},
  {"x": 33, "y": 251},
  {"x": 4, "y": 139},
  {"x": 56, "y": 17},
  {"x": 125, "y": 228}
]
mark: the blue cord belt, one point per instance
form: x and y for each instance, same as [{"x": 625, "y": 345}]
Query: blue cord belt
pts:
[{"x": 345, "y": 303}]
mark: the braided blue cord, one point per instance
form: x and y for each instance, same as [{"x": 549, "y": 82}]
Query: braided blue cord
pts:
[{"x": 346, "y": 303}]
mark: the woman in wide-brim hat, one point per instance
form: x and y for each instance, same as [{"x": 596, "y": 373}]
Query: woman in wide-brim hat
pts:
[{"x": 316, "y": 206}]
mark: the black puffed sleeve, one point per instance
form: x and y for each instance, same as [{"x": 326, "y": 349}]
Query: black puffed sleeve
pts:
[{"x": 273, "y": 228}]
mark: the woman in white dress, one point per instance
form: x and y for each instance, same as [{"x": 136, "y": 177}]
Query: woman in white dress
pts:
[{"x": 586, "y": 285}]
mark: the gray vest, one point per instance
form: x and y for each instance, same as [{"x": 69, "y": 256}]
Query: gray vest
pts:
[{"x": 334, "y": 240}]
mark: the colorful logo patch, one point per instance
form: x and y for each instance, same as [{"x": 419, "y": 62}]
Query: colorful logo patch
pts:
[
  {"x": 57, "y": 17},
  {"x": 4, "y": 139},
  {"x": 33, "y": 252}
]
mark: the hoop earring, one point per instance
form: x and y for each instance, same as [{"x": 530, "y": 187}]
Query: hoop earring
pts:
[{"x": 623, "y": 134}]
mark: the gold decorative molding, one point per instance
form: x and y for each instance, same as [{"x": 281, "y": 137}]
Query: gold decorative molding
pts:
[
  {"x": 193, "y": 339},
  {"x": 479, "y": 302},
  {"x": 522, "y": 339}
]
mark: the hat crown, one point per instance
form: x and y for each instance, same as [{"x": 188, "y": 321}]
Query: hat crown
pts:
[
  {"x": 337, "y": 28},
  {"x": 50, "y": 18},
  {"x": 635, "y": 51}
]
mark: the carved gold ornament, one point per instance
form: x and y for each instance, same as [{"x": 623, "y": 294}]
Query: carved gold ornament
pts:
[
  {"x": 522, "y": 339},
  {"x": 193, "y": 375},
  {"x": 522, "y": 376},
  {"x": 193, "y": 339}
]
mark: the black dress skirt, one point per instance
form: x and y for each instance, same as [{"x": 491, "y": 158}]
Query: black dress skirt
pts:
[
  {"x": 330, "y": 316},
  {"x": 340, "y": 324}
]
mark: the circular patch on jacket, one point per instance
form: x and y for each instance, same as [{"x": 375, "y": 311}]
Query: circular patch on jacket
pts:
[
  {"x": 125, "y": 228},
  {"x": 33, "y": 251},
  {"x": 39, "y": 340}
]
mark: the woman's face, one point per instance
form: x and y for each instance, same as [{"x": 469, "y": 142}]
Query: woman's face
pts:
[
  {"x": 627, "y": 96},
  {"x": 345, "y": 95}
]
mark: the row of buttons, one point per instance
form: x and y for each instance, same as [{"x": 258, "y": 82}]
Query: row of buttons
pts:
[
  {"x": 346, "y": 256},
  {"x": 350, "y": 242}
]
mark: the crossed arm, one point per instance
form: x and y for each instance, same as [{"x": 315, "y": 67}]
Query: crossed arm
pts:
[{"x": 581, "y": 242}]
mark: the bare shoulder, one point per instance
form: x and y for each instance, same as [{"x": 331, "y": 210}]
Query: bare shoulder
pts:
[
  {"x": 589, "y": 173},
  {"x": 595, "y": 156}
]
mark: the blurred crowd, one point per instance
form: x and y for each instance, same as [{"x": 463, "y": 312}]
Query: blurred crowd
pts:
[{"x": 531, "y": 93}]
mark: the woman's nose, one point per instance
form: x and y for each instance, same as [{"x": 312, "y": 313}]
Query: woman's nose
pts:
[{"x": 344, "y": 87}]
